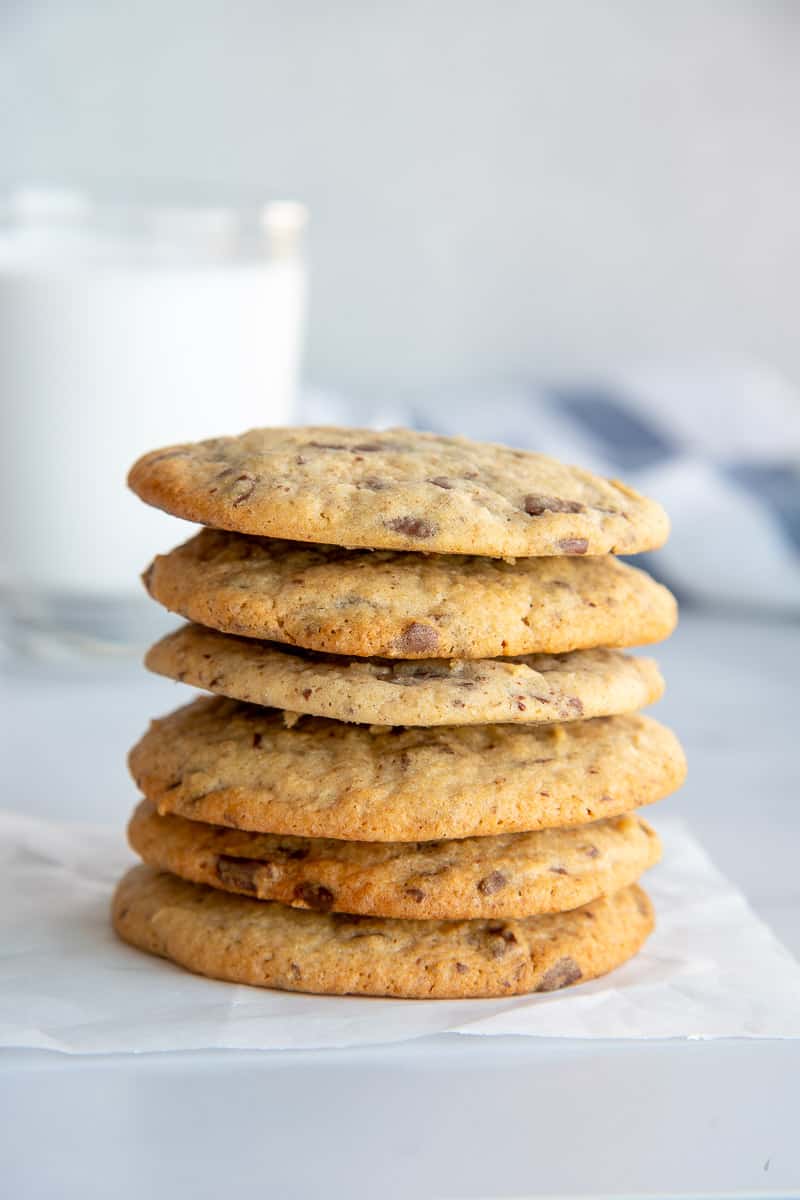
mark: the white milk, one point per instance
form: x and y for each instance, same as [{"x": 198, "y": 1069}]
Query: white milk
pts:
[{"x": 114, "y": 345}]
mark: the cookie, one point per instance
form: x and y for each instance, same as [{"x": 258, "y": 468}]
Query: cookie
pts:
[
  {"x": 530, "y": 688},
  {"x": 397, "y": 490},
  {"x": 233, "y": 764},
  {"x": 512, "y": 875},
  {"x": 271, "y": 945},
  {"x": 406, "y": 605}
]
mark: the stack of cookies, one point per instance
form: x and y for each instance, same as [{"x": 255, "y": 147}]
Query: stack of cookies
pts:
[{"x": 418, "y": 770}]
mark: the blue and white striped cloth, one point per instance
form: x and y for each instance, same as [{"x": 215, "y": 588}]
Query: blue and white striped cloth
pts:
[{"x": 719, "y": 446}]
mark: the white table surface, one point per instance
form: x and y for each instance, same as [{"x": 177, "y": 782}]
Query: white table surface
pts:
[{"x": 449, "y": 1117}]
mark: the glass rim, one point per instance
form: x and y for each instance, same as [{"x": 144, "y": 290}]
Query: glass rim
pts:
[{"x": 71, "y": 224}]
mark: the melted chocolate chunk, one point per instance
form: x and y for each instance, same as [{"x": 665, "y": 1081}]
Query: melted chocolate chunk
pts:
[
  {"x": 315, "y": 896},
  {"x": 500, "y": 938},
  {"x": 493, "y": 883},
  {"x": 418, "y": 639},
  {"x": 573, "y": 545},
  {"x": 561, "y": 974},
  {"x": 238, "y": 873},
  {"x": 534, "y": 505},
  {"x": 415, "y": 527}
]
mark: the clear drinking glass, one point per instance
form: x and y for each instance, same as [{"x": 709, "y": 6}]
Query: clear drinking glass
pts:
[{"x": 124, "y": 328}]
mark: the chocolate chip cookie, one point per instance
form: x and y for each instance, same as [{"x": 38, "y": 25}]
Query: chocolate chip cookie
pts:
[
  {"x": 234, "y": 764},
  {"x": 272, "y": 945},
  {"x": 397, "y": 490},
  {"x": 408, "y": 605},
  {"x": 511, "y": 875},
  {"x": 530, "y": 688}
]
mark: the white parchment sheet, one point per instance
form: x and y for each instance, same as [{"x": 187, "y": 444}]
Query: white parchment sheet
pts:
[{"x": 712, "y": 969}]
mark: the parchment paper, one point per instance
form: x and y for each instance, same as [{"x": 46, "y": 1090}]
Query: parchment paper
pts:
[{"x": 712, "y": 969}]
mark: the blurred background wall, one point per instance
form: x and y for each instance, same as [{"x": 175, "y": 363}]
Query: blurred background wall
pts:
[{"x": 498, "y": 188}]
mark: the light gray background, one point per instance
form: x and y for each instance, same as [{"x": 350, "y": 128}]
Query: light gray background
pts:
[{"x": 498, "y": 188}]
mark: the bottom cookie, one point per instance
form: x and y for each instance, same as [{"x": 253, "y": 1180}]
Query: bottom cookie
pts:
[{"x": 266, "y": 944}]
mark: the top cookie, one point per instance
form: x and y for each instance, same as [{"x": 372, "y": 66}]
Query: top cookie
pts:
[{"x": 397, "y": 490}]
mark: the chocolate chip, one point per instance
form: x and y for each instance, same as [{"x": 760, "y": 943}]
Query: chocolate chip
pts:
[
  {"x": 306, "y": 693},
  {"x": 573, "y": 545},
  {"x": 416, "y": 527},
  {"x": 470, "y": 474},
  {"x": 257, "y": 739},
  {"x": 216, "y": 680},
  {"x": 500, "y": 938},
  {"x": 238, "y": 873},
  {"x": 372, "y": 484},
  {"x": 418, "y": 639},
  {"x": 492, "y": 883},
  {"x": 296, "y": 972},
  {"x": 535, "y": 505},
  {"x": 416, "y": 894},
  {"x": 248, "y": 483},
  {"x": 590, "y": 851},
  {"x": 315, "y": 896},
  {"x": 441, "y": 481},
  {"x": 370, "y": 447},
  {"x": 561, "y": 974},
  {"x": 559, "y": 871},
  {"x": 462, "y": 968},
  {"x": 297, "y": 853},
  {"x": 327, "y": 446}
]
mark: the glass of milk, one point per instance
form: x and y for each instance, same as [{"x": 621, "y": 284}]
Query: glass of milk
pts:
[{"x": 122, "y": 329}]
